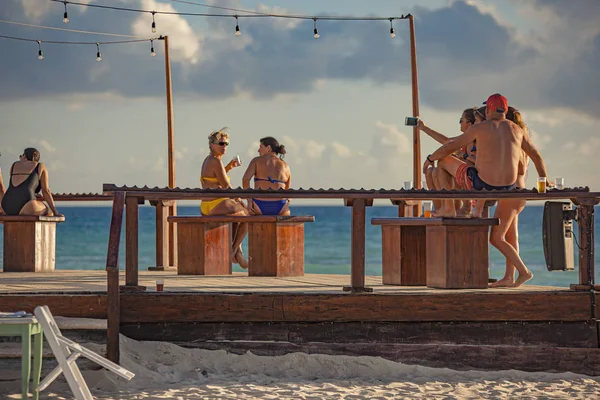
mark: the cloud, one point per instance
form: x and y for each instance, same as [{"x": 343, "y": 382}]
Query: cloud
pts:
[
  {"x": 340, "y": 150},
  {"x": 589, "y": 147},
  {"x": 466, "y": 51},
  {"x": 390, "y": 140}
]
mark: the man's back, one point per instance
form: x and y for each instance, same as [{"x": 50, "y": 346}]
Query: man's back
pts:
[{"x": 498, "y": 151}]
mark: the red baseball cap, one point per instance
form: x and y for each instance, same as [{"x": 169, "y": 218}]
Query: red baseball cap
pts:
[{"x": 497, "y": 103}]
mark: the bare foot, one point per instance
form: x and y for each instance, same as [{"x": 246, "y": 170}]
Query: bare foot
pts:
[
  {"x": 464, "y": 212},
  {"x": 504, "y": 282},
  {"x": 443, "y": 213},
  {"x": 522, "y": 278},
  {"x": 239, "y": 258}
]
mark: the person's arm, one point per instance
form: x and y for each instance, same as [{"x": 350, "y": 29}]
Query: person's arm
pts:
[
  {"x": 220, "y": 173},
  {"x": 250, "y": 172},
  {"x": 46, "y": 193},
  {"x": 435, "y": 135},
  {"x": 535, "y": 156},
  {"x": 447, "y": 149},
  {"x": 288, "y": 183}
]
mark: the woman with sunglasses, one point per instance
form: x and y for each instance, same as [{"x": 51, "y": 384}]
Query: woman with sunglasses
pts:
[
  {"x": 437, "y": 178},
  {"x": 28, "y": 176},
  {"x": 214, "y": 176}
]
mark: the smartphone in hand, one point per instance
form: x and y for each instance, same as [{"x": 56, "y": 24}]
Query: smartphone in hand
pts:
[{"x": 411, "y": 121}]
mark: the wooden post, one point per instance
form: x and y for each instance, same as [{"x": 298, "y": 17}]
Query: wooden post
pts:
[
  {"x": 112, "y": 278},
  {"x": 162, "y": 235},
  {"x": 171, "y": 155},
  {"x": 357, "y": 277},
  {"x": 131, "y": 241},
  {"x": 585, "y": 221},
  {"x": 415, "y": 105}
]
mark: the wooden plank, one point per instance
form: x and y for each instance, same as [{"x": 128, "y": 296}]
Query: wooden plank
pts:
[
  {"x": 468, "y": 257},
  {"x": 262, "y": 249},
  {"x": 131, "y": 241},
  {"x": 391, "y": 255},
  {"x": 259, "y": 219},
  {"x": 204, "y": 249},
  {"x": 437, "y": 257},
  {"x": 553, "y": 334},
  {"x": 81, "y": 305},
  {"x": 30, "y": 218},
  {"x": 414, "y": 255},
  {"x": 112, "y": 279},
  {"x": 162, "y": 236},
  {"x": 458, "y": 357},
  {"x": 290, "y": 248},
  {"x": 455, "y": 306},
  {"x": 413, "y": 221},
  {"x": 29, "y": 245}
]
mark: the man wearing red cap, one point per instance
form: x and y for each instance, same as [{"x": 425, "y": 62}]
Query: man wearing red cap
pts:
[{"x": 499, "y": 145}]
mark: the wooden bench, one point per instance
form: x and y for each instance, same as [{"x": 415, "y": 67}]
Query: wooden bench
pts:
[
  {"x": 449, "y": 253},
  {"x": 29, "y": 243},
  {"x": 275, "y": 244}
]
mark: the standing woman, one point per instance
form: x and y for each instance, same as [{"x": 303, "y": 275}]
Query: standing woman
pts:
[
  {"x": 517, "y": 205},
  {"x": 269, "y": 172},
  {"x": 28, "y": 176},
  {"x": 214, "y": 176}
]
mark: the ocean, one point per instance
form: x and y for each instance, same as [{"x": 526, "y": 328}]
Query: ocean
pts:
[{"x": 81, "y": 242}]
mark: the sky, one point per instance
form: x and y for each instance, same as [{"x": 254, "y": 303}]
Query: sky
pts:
[{"x": 337, "y": 103}]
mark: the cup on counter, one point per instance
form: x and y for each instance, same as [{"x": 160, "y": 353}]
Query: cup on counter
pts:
[
  {"x": 408, "y": 185},
  {"x": 160, "y": 284},
  {"x": 427, "y": 209},
  {"x": 559, "y": 183},
  {"x": 541, "y": 184}
]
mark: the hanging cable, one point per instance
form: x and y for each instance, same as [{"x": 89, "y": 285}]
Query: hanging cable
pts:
[
  {"x": 69, "y": 30},
  {"x": 392, "y": 32},
  {"x": 153, "y": 22},
  {"x": 98, "y": 55},
  {"x": 237, "y": 27},
  {"x": 316, "y": 31},
  {"x": 68, "y": 42},
  {"x": 66, "y": 14},
  {"x": 40, "y": 54},
  {"x": 152, "y": 52}
]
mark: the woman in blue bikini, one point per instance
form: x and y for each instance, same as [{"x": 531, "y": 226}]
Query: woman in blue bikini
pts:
[{"x": 269, "y": 172}]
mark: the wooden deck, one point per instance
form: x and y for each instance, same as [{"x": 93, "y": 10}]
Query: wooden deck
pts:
[
  {"x": 536, "y": 328},
  {"x": 63, "y": 281}
]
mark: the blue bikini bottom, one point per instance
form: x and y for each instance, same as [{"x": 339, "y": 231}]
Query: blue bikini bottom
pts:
[{"x": 270, "y": 207}]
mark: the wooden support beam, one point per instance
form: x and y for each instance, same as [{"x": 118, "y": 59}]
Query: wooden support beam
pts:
[
  {"x": 357, "y": 277},
  {"x": 131, "y": 241},
  {"x": 112, "y": 272}
]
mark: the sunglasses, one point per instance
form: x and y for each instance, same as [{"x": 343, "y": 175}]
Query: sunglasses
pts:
[{"x": 223, "y": 143}]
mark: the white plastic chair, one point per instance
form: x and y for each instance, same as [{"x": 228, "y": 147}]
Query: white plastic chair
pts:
[{"x": 66, "y": 352}]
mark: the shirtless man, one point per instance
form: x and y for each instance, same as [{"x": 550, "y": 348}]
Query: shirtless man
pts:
[{"x": 499, "y": 145}]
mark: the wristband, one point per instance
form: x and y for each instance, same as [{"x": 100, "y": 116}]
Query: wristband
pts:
[{"x": 429, "y": 159}]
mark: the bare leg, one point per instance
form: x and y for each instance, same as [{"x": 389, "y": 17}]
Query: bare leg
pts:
[
  {"x": 235, "y": 208},
  {"x": 445, "y": 181},
  {"x": 34, "y": 207},
  {"x": 512, "y": 237},
  {"x": 479, "y": 208},
  {"x": 506, "y": 212},
  {"x": 432, "y": 185}
]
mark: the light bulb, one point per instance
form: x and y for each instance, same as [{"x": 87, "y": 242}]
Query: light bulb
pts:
[
  {"x": 152, "y": 52},
  {"x": 153, "y": 27},
  {"x": 316, "y": 35},
  {"x": 66, "y": 18},
  {"x": 40, "y": 55},
  {"x": 392, "y": 33},
  {"x": 237, "y": 30},
  {"x": 98, "y": 56}
]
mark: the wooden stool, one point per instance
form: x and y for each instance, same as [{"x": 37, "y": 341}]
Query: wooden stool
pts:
[
  {"x": 29, "y": 243},
  {"x": 203, "y": 247}
]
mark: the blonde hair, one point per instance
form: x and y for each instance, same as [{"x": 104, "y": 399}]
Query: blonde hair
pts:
[{"x": 215, "y": 135}]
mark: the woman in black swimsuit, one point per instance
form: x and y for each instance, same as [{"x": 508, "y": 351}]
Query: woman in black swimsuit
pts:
[{"x": 28, "y": 176}]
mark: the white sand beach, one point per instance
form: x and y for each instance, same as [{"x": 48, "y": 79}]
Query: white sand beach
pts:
[{"x": 167, "y": 371}]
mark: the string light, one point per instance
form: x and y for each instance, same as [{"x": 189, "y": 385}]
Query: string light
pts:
[
  {"x": 152, "y": 52},
  {"x": 237, "y": 27},
  {"x": 65, "y": 15},
  {"x": 98, "y": 55},
  {"x": 316, "y": 31},
  {"x": 153, "y": 22},
  {"x": 40, "y": 54},
  {"x": 392, "y": 32}
]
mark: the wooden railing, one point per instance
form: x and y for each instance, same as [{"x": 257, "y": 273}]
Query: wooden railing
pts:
[{"x": 131, "y": 197}]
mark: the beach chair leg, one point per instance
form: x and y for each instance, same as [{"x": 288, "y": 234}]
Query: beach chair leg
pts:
[
  {"x": 69, "y": 368},
  {"x": 37, "y": 362},
  {"x": 25, "y": 360}
]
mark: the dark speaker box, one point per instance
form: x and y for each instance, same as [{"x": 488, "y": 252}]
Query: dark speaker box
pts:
[{"x": 557, "y": 233}]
